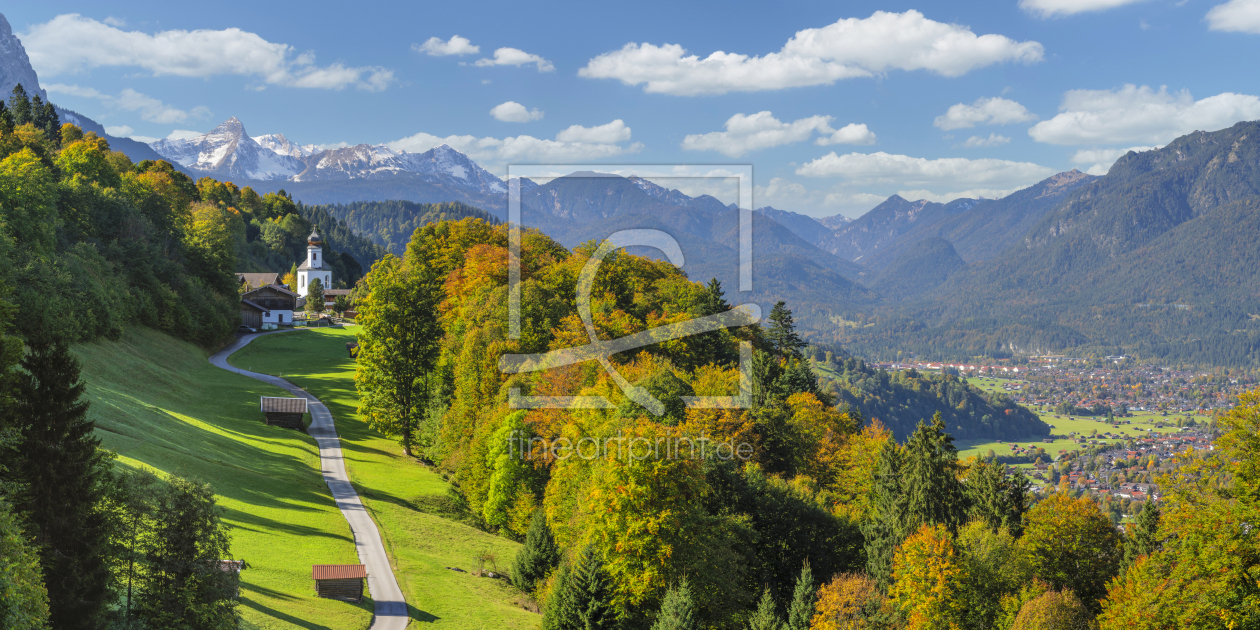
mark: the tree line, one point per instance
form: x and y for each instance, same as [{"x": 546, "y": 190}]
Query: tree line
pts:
[
  {"x": 91, "y": 243},
  {"x": 829, "y": 522}
]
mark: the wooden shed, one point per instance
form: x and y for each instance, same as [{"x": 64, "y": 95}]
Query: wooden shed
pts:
[
  {"x": 284, "y": 412},
  {"x": 252, "y": 314},
  {"x": 339, "y": 581}
]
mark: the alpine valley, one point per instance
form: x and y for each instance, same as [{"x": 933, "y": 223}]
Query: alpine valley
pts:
[{"x": 967, "y": 278}]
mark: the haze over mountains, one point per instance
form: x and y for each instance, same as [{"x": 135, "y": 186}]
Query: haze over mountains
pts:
[
  {"x": 1029, "y": 272},
  {"x": 1157, "y": 257}
]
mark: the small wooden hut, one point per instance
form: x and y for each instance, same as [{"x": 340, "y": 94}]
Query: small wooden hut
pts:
[
  {"x": 339, "y": 581},
  {"x": 284, "y": 412}
]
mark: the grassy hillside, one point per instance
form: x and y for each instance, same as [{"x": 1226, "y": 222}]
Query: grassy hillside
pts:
[
  {"x": 158, "y": 403},
  {"x": 421, "y": 529}
]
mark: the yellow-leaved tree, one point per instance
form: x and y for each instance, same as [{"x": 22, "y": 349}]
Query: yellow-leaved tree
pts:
[{"x": 927, "y": 577}]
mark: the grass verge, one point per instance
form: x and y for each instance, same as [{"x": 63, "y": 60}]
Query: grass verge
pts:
[
  {"x": 158, "y": 403},
  {"x": 421, "y": 531}
]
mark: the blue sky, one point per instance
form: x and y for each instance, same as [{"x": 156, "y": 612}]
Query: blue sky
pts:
[{"x": 927, "y": 99}]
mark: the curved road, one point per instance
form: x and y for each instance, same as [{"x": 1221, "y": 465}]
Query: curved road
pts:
[{"x": 391, "y": 609}]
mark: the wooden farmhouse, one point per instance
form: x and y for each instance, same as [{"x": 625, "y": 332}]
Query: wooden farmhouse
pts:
[
  {"x": 339, "y": 581},
  {"x": 284, "y": 412},
  {"x": 275, "y": 304}
]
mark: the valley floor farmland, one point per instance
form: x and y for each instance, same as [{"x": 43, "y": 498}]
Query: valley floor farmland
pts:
[
  {"x": 159, "y": 403},
  {"x": 410, "y": 503}
]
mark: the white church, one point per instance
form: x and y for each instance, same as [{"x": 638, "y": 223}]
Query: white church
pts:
[
  {"x": 272, "y": 303},
  {"x": 313, "y": 267}
]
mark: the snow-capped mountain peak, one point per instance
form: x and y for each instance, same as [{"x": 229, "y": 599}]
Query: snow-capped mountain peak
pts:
[
  {"x": 227, "y": 151},
  {"x": 281, "y": 145}
]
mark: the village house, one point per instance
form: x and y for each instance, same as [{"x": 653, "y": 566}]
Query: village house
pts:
[{"x": 270, "y": 302}]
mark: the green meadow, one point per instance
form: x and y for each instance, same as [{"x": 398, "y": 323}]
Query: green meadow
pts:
[
  {"x": 423, "y": 530},
  {"x": 159, "y": 404}
]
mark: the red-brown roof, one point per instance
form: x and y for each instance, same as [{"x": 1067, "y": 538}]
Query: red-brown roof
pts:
[{"x": 338, "y": 571}]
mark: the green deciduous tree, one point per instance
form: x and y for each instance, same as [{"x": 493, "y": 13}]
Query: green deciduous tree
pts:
[
  {"x": 1071, "y": 544},
  {"x": 315, "y": 297},
  {"x": 183, "y": 584},
  {"x": 398, "y": 346},
  {"x": 23, "y": 598},
  {"x": 538, "y": 557}
]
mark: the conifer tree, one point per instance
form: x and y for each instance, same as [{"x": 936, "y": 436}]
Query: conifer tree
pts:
[
  {"x": 51, "y": 123},
  {"x": 539, "y": 555},
  {"x": 781, "y": 334},
  {"x": 934, "y": 495},
  {"x": 678, "y": 610},
  {"x": 63, "y": 472},
  {"x": 885, "y": 528},
  {"x": 803, "y": 599},
  {"x": 583, "y": 600},
  {"x": 714, "y": 298},
  {"x": 6, "y": 119},
  {"x": 20, "y": 106},
  {"x": 1144, "y": 539},
  {"x": 996, "y": 500},
  {"x": 766, "y": 618}
]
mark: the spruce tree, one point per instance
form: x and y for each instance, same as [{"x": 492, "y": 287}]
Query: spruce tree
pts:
[
  {"x": 52, "y": 124},
  {"x": 996, "y": 500},
  {"x": 20, "y": 105},
  {"x": 6, "y": 119},
  {"x": 539, "y": 555},
  {"x": 715, "y": 298},
  {"x": 803, "y": 599},
  {"x": 678, "y": 610},
  {"x": 766, "y": 618},
  {"x": 884, "y": 528},
  {"x": 1144, "y": 539},
  {"x": 932, "y": 489},
  {"x": 584, "y": 597},
  {"x": 781, "y": 334},
  {"x": 63, "y": 473}
]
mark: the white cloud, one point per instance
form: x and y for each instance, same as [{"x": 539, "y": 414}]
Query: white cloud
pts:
[
  {"x": 119, "y": 130},
  {"x": 457, "y": 45},
  {"x": 1059, "y": 8},
  {"x": 149, "y": 108},
  {"x": 1101, "y": 160},
  {"x": 851, "y": 133},
  {"x": 1239, "y": 16},
  {"x": 144, "y": 139},
  {"x": 905, "y": 171},
  {"x": 615, "y": 131},
  {"x": 114, "y": 21},
  {"x": 849, "y": 48},
  {"x": 985, "y": 111},
  {"x": 786, "y": 194},
  {"x": 981, "y": 142},
  {"x": 575, "y": 144},
  {"x": 71, "y": 43},
  {"x": 762, "y": 130},
  {"x": 183, "y": 134},
  {"x": 516, "y": 57},
  {"x": 974, "y": 193},
  {"x": 512, "y": 111},
  {"x": 1134, "y": 114}
]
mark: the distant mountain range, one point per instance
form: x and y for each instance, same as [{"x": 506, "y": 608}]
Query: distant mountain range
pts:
[{"x": 1157, "y": 258}]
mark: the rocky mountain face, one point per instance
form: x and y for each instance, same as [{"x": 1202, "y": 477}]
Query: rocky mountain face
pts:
[
  {"x": 803, "y": 226},
  {"x": 15, "y": 66}
]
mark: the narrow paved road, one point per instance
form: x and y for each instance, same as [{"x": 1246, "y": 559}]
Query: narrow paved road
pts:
[{"x": 391, "y": 609}]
